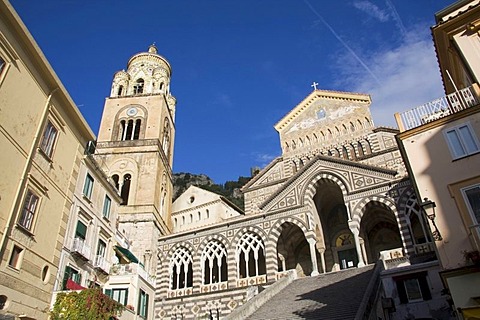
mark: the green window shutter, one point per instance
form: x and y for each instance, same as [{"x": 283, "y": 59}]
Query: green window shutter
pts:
[
  {"x": 146, "y": 306},
  {"x": 126, "y": 297},
  {"x": 81, "y": 231},
  {"x": 66, "y": 276},
  {"x": 108, "y": 292}
]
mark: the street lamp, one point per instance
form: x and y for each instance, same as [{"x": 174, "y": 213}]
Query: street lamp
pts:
[{"x": 428, "y": 207}]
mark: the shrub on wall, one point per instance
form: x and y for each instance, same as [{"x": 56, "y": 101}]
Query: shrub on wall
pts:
[{"x": 89, "y": 304}]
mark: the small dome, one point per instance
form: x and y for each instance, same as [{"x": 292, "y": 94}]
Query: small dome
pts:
[{"x": 152, "y": 49}]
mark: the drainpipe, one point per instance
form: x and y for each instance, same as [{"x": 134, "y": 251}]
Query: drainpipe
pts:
[{"x": 26, "y": 169}]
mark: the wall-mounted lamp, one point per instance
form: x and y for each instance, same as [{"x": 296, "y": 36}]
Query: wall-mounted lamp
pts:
[{"x": 428, "y": 207}]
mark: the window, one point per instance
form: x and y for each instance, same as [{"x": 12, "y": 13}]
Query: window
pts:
[
  {"x": 2, "y": 65},
  {"x": 413, "y": 287},
  {"x": 72, "y": 275},
  {"x": 107, "y": 203},
  {"x": 125, "y": 188},
  {"x": 181, "y": 268},
  {"x": 28, "y": 211},
  {"x": 48, "y": 140},
  {"x": 472, "y": 197},
  {"x": 143, "y": 304},
  {"x": 214, "y": 263},
  {"x": 462, "y": 141},
  {"x": 119, "y": 295},
  {"x": 81, "y": 230},
  {"x": 138, "y": 87},
  {"x": 15, "y": 257},
  {"x": 250, "y": 256},
  {"x": 88, "y": 186},
  {"x": 101, "y": 248}
]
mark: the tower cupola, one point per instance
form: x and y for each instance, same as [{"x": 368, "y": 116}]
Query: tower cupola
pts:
[{"x": 147, "y": 73}]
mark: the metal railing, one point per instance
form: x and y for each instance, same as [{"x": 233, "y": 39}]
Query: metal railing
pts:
[
  {"x": 132, "y": 269},
  {"x": 79, "y": 246},
  {"x": 101, "y": 263},
  {"x": 437, "y": 109}
]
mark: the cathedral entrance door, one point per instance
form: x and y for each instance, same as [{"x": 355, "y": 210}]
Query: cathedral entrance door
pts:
[{"x": 348, "y": 258}]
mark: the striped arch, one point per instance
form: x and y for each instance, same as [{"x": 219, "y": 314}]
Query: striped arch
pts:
[
  {"x": 359, "y": 210},
  {"x": 218, "y": 237},
  {"x": 276, "y": 229},
  {"x": 177, "y": 245},
  {"x": 311, "y": 188},
  {"x": 244, "y": 230}
]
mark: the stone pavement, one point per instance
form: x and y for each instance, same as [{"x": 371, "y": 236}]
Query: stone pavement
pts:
[{"x": 331, "y": 296}]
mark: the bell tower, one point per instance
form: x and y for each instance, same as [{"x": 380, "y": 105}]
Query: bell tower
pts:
[{"x": 135, "y": 148}]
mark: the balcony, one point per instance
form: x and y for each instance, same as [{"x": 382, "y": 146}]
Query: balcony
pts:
[
  {"x": 101, "y": 264},
  {"x": 132, "y": 269},
  {"x": 80, "y": 249},
  {"x": 437, "y": 109}
]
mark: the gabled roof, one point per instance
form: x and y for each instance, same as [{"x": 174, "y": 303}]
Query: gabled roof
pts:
[
  {"x": 194, "y": 197},
  {"x": 315, "y": 95}
]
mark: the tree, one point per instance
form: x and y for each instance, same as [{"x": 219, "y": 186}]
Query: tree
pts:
[{"x": 89, "y": 304}]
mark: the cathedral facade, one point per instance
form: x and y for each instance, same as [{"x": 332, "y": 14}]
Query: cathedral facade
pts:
[{"x": 338, "y": 197}]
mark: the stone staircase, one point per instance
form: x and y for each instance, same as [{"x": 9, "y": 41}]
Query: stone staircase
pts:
[{"x": 331, "y": 296}]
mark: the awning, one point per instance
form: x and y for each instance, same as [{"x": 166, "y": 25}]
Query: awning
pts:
[{"x": 127, "y": 254}]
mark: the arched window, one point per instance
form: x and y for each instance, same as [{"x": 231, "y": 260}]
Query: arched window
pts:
[
  {"x": 360, "y": 125},
  {"x": 199, "y": 216},
  {"x": 115, "y": 179},
  {"x": 315, "y": 139},
  {"x": 250, "y": 256},
  {"x": 352, "y": 127},
  {"x": 125, "y": 188},
  {"x": 130, "y": 129},
  {"x": 175, "y": 222},
  {"x": 287, "y": 148},
  {"x": 166, "y": 138},
  {"x": 360, "y": 149},
  {"x": 214, "y": 263},
  {"x": 181, "y": 271},
  {"x": 208, "y": 214},
  {"x": 307, "y": 140},
  {"x": 345, "y": 129},
  {"x": 368, "y": 147},
  {"x": 352, "y": 151},
  {"x": 367, "y": 122},
  {"x": 161, "y": 85},
  {"x": 136, "y": 130},
  {"x": 191, "y": 217},
  {"x": 120, "y": 90},
  {"x": 294, "y": 145},
  {"x": 138, "y": 87},
  {"x": 344, "y": 153}
]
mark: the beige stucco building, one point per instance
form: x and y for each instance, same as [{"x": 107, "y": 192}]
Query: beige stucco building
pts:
[
  {"x": 440, "y": 142},
  {"x": 42, "y": 137}
]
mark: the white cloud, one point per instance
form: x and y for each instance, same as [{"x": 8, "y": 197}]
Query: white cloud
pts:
[
  {"x": 372, "y": 10},
  {"x": 263, "y": 159},
  {"x": 409, "y": 76},
  {"x": 224, "y": 100}
]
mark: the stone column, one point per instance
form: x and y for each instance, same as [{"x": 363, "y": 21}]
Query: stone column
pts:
[
  {"x": 322, "y": 260},
  {"x": 313, "y": 255},
  {"x": 356, "y": 232}
]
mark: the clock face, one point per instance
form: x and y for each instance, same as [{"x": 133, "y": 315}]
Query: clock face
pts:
[{"x": 132, "y": 111}]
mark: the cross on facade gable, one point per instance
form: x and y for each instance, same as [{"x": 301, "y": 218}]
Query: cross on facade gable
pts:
[{"x": 314, "y": 85}]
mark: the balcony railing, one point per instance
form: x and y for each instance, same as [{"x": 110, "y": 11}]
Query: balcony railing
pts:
[
  {"x": 101, "y": 263},
  {"x": 79, "y": 247},
  {"x": 437, "y": 109},
  {"x": 132, "y": 269}
]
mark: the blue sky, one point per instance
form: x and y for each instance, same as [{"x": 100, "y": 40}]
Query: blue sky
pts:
[{"x": 240, "y": 66}]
